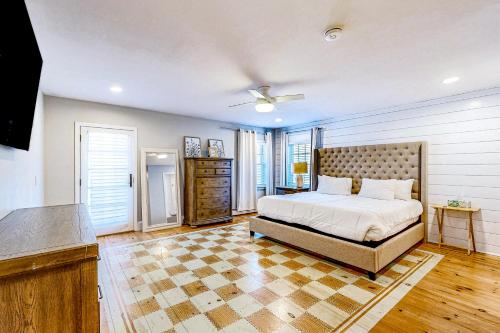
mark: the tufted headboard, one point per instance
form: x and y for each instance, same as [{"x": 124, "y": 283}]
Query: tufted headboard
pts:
[{"x": 385, "y": 161}]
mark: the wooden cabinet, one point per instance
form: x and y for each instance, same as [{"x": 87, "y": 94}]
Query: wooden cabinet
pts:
[
  {"x": 207, "y": 190},
  {"x": 48, "y": 271}
]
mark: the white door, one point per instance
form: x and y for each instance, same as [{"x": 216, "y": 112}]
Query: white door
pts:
[{"x": 107, "y": 177}]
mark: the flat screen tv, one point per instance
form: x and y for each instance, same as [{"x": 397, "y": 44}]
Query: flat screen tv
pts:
[{"x": 20, "y": 69}]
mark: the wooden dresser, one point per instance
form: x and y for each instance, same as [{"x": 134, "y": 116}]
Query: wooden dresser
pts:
[
  {"x": 207, "y": 190},
  {"x": 48, "y": 271}
]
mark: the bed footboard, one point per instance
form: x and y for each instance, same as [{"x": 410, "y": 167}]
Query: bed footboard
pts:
[{"x": 363, "y": 257}]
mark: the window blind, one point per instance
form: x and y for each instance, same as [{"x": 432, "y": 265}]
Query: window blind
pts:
[{"x": 261, "y": 164}]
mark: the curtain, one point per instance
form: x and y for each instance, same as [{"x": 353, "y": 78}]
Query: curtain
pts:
[
  {"x": 316, "y": 138},
  {"x": 316, "y": 143},
  {"x": 269, "y": 164},
  {"x": 247, "y": 171}
]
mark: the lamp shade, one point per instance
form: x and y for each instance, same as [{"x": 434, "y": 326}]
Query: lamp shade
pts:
[{"x": 300, "y": 167}]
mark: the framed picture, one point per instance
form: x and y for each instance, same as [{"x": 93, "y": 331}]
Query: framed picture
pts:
[
  {"x": 213, "y": 152},
  {"x": 192, "y": 146},
  {"x": 218, "y": 144}
]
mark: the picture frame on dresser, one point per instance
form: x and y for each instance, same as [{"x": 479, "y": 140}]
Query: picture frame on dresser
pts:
[
  {"x": 213, "y": 152},
  {"x": 218, "y": 145},
  {"x": 192, "y": 146}
]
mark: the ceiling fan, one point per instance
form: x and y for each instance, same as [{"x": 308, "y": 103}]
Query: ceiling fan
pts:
[{"x": 265, "y": 102}]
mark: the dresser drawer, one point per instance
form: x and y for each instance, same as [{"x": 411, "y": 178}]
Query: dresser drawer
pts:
[
  {"x": 222, "y": 171},
  {"x": 205, "y": 172},
  {"x": 215, "y": 202},
  {"x": 211, "y": 192},
  {"x": 213, "y": 164},
  {"x": 213, "y": 213},
  {"x": 213, "y": 182}
]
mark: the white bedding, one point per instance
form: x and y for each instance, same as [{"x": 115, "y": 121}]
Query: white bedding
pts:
[{"x": 352, "y": 217}]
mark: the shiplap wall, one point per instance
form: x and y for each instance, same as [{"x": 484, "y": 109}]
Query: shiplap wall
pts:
[{"x": 463, "y": 154}]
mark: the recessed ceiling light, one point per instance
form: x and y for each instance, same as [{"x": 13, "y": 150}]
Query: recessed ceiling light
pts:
[
  {"x": 116, "y": 89},
  {"x": 161, "y": 156},
  {"x": 264, "y": 107},
  {"x": 451, "y": 80},
  {"x": 475, "y": 104},
  {"x": 278, "y": 120}
]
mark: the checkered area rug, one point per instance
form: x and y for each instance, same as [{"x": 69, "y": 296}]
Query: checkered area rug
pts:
[{"x": 219, "y": 280}]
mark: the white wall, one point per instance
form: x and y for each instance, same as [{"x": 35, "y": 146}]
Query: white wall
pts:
[
  {"x": 155, "y": 130},
  {"x": 21, "y": 172},
  {"x": 464, "y": 155}
]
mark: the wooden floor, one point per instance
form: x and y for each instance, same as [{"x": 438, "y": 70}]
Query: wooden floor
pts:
[{"x": 461, "y": 294}]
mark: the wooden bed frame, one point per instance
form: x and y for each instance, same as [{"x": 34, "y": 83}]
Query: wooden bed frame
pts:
[{"x": 398, "y": 161}]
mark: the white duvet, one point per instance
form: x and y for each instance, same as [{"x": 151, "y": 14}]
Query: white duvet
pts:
[{"x": 351, "y": 217}]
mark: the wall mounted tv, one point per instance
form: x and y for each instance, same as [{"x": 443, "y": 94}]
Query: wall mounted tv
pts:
[{"x": 20, "y": 68}]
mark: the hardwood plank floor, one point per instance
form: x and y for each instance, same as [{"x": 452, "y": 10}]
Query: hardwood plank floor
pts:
[{"x": 461, "y": 294}]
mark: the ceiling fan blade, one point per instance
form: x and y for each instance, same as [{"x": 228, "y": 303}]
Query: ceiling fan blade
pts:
[
  {"x": 256, "y": 94},
  {"x": 287, "y": 98},
  {"x": 232, "y": 106}
]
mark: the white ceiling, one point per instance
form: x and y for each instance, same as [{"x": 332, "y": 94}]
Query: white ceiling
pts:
[{"x": 195, "y": 57}]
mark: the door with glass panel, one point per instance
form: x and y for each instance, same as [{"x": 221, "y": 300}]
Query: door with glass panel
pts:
[{"x": 107, "y": 168}]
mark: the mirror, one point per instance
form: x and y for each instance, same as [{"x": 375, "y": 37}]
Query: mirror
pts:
[{"x": 160, "y": 189}]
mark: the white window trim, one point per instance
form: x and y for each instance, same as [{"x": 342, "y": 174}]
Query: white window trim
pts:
[
  {"x": 284, "y": 154},
  {"x": 78, "y": 174}
]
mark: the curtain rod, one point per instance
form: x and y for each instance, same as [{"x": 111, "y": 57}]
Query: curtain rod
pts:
[
  {"x": 261, "y": 132},
  {"x": 237, "y": 129},
  {"x": 304, "y": 129}
]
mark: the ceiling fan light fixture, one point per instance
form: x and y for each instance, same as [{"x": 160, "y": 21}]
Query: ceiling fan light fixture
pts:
[{"x": 264, "y": 107}]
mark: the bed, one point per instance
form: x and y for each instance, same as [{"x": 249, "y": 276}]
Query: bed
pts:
[{"x": 380, "y": 230}]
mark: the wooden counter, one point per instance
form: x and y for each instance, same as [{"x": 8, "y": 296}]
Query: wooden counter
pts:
[{"x": 48, "y": 271}]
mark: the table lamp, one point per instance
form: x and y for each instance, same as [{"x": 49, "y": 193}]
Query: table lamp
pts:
[{"x": 299, "y": 168}]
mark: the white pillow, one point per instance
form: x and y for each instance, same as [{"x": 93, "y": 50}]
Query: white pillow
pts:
[
  {"x": 334, "y": 185},
  {"x": 378, "y": 189},
  {"x": 403, "y": 189}
]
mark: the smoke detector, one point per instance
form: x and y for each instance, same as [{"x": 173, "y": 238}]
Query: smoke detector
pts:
[{"x": 333, "y": 34}]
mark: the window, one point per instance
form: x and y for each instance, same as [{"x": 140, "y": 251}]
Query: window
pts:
[
  {"x": 298, "y": 150},
  {"x": 261, "y": 164}
]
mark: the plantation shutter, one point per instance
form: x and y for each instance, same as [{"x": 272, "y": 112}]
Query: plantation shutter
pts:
[{"x": 109, "y": 194}]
